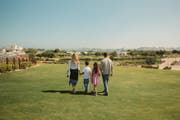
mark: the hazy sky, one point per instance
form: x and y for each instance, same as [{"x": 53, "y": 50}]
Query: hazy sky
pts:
[{"x": 90, "y": 23}]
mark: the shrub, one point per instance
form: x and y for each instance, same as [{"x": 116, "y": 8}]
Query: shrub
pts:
[
  {"x": 86, "y": 59},
  {"x": 16, "y": 66},
  {"x": 3, "y": 67},
  {"x": 24, "y": 65},
  {"x": 150, "y": 66},
  {"x": 9, "y": 67},
  {"x": 50, "y": 59},
  {"x": 150, "y": 60},
  {"x": 167, "y": 68}
]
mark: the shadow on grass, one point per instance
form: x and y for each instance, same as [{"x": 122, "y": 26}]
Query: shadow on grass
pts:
[
  {"x": 70, "y": 92},
  {"x": 63, "y": 92}
]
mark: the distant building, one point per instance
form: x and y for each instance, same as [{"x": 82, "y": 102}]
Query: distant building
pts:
[
  {"x": 122, "y": 53},
  {"x": 12, "y": 51},
  {"x": 15, "y": 48}
]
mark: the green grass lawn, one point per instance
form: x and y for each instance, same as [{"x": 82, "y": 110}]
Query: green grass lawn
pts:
[{"x": 42, "y": 93}]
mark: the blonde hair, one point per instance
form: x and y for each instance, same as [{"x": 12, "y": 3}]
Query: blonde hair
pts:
[{"x": 75, "y": 58}]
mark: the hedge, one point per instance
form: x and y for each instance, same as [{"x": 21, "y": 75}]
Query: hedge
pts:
[
  {"x": 150, "y": 66},
  {"x": 10, "y": 67}
]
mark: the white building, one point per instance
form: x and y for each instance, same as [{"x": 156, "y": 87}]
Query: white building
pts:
[{"x": 12, "y": 51}]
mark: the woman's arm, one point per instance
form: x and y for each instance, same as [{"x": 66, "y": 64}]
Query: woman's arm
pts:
[{"x": 69, "y": 67}]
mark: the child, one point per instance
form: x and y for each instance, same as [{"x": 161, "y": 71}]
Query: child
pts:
[
  {"x": 95, "y": 75},
  {"x": 87, "y": 76}
]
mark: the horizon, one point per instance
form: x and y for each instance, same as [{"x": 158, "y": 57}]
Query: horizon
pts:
[
  {"x": 142, "y": 47},
  {"x": 77, "y": 24}
]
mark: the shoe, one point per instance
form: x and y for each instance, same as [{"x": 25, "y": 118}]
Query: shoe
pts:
[
  {"x": 86, "y": 92},
  {"x": 106, "y": 94},
  {"x": 73, "y": 91}
]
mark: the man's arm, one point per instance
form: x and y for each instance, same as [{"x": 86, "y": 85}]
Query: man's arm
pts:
[{"x": 111, "y": 68}]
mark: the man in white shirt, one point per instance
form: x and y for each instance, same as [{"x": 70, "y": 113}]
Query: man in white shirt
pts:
[{"x": 106, "y": 70}]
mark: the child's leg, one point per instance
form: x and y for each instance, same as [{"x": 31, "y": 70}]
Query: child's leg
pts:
[
  {"x": 87, "y": 85},
  {"x": 95, "y": 90},
  {"x": 86, "y": 82}
]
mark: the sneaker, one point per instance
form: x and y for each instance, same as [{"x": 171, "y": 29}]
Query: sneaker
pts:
[
  {"x": 86, "y": 92},
  {"x": 103, "y": 91},
  {"x": 106, "y": 94},
  {"x": 73, "y": 91}
]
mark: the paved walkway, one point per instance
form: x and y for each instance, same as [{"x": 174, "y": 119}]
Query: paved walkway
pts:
[{"x": 168, "y": 62}]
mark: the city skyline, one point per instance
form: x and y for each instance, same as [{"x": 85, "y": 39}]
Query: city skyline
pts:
[{"x": 90, "y": 24}]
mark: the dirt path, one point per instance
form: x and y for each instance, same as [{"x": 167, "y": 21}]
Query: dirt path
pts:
[{"x": 168, "y": 62}]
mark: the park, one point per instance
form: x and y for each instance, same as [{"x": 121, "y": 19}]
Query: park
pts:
[
  {"x": 43, "y": 92},
  {"x": 127, "y": 51}
]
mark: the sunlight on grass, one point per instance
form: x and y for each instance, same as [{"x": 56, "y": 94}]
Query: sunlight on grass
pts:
[{"x": 135, "y": 94}]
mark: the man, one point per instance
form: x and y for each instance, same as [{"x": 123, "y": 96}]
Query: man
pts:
[{"x": 106, "y": 70}]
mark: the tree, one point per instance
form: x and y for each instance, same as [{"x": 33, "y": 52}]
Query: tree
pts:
[
  {"x": 114, "y": 54},
  {"x": 150, "y": 60},
  {"x": 160, "y": 53},
  {"x": 98, "y": 53},
  {"x": 176, "y": 52},
  {"x": 31, "y": 53},
  {"x": 48, "y": 53},
  {"x": 57, "y": 50}
]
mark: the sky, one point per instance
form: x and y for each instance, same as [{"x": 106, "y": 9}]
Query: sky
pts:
[{"x": 115, "y": 24}]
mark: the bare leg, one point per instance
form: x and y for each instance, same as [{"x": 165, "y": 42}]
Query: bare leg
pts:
[
  {"x": 73, "y": 88},
  {"x": 95, "y": 90}
]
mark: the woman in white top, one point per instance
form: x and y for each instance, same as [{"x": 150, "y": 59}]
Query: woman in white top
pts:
[{"x": 73, "y": 71}]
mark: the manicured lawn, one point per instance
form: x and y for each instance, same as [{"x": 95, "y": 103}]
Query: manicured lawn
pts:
[{"x": 42, "y": 93}]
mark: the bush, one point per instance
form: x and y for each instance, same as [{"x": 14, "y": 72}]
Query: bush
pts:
[
  {"x": 150, "y": 60},
  {"x": 86, "y": 59},
  {"x": 61, "y": 61},
  {"x": 3, "y": 67},
  {"x": 16, "y": 66},
  {"x": 6, "y": 67},
  {"x": 9, "y": 67},
  {"x": 50, "y": 59},
  {"x": 24, "y": 65},
  {"x": 167, "y": 68},
  {"x": 150, "y": 66}
]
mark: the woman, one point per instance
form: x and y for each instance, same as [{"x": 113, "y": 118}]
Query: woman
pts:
[{"x": 73, "y": 71}]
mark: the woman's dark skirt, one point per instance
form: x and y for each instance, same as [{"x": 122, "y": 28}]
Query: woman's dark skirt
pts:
[{"x": 73, "y": 76}]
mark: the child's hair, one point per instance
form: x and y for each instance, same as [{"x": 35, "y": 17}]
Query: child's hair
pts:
[
  {"x": 86, "y": 63},
  {"x": 95, "y": 67}
]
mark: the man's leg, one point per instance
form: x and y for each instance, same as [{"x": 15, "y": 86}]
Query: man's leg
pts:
[{"x": 105, "y": 81}]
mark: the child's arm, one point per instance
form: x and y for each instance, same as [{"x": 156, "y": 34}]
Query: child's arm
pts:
[
  {"x": 90, "y": 74},
  {"x": 99, "y": 72},
  {"x": 81, "y": 73},
  {"x": 91, "y": 77}
]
